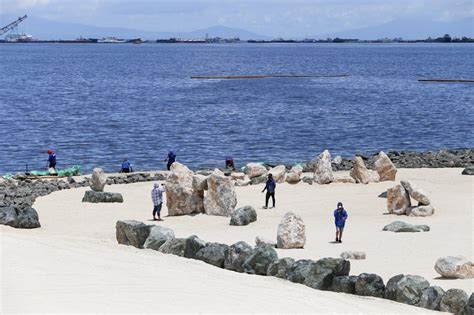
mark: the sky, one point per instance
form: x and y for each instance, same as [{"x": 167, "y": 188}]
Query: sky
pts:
[{"x": 278, "y": 18}]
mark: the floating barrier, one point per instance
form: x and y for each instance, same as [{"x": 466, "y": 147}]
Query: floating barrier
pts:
[{"x": 265, "y": 76}]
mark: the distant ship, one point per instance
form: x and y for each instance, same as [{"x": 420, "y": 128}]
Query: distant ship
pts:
[{"x": 111, "y": 40}]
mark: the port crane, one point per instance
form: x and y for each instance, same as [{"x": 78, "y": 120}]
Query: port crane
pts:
[{"x": 12, "y": 25}]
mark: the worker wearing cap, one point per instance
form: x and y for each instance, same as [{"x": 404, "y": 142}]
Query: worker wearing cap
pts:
[{"x": 51, "y": 159}]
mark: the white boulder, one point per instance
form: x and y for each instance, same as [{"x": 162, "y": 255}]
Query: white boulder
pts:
[
  {"x": 221, "y": 198},
  {"x": 455, "y": 267},
  {"x": 384, "y": 167},
  {"x": 98, "y": 179},
  {"x": 291, "y": 232},
  {"x": 323, "y": 169}
]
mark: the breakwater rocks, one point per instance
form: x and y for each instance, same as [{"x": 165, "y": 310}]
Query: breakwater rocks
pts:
[
  {"x": 18, "y": 194},
  {"x": 406, "y": 159},
  {"x": 329, "y": 274}
]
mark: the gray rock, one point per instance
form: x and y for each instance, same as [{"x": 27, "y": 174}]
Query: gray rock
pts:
[
  {"x": 174, "y": 246},
  {"x": 406, "y": 289},
  {"x": 259, "y": 241},
  {"x": 431, "y": 298},
  {"x": 369, "y": 284},
  {"x": 131, "y": 232},
  {"x": 193, "y": 245},
  {"x": 345, "y": 284},
  {"x": 235, "y": 256},
  {"x": 158, "y": 236},
  {"x": 213, "y": 254},
  {"x": 98, "y": 179},
  {"x": 291, "y": 232},
  {"x": 307, "y": 180},
  {"x": 27, "y": 219},
  {"x": 420, "y": 211},
  {"x": 383, "y": 195},
  {"x": 321, "y": 273},
  {"x": 353, "y": 255},
  {"x": 260, "y": 259},
  {"x": 454, "y": 301},
  {"x": 298, "y": 271},
  {"x": 8, "y": 216},
  {"x": 469, "y": 310},
  {"x": 243, "y": 216},
  {"x": 455, "y": 267},
  {"x": 100, "y": 196},
  {"x": 280, "y": 267},
  {"x": 258, "y": 180},
  {"x": 399, "y": 226},
  {"x": 468, "y": 171}
]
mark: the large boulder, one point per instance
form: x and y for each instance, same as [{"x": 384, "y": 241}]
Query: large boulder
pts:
[
  {"x": 174, "y": 246},
  {"x": 369, "y": 284},
  {"x": 181, "y": 197},
  {"x": 345, "y": 179},
  {"x": 255, "y": 170},
  {"x": 131, "y": 232},
  {"x": 221, "y": 198},
  {"x": 384, "y": 167},
  {"x": 27, "y": 218},
  {"x": 355, "y": 255},
  {"x": 158, "y": 236},
  {"x": 193, "y": 245},
  {"x": 399, "y": 226},
  {"x": 468, "y": 170},
  {"x": 323, "y": 169},
  {"x": 455, "y": 267},
  {"x": 200, "y": 183},
  {"x": 398, "y": 200},
  {"x": 243, "y": 182},
  {"x": 321, "y": 273},
  {"x": 98, "y": 179},
  {"x": 298, "y": 271},
  {"x": 469, "y": 310},
  {"x": 297, "y": 169},
  {"x": 407, "y": 289},
  {"x": 8, "y": 216},
  {"x": 235, "y": 256},
  {"x": 243, "y": 216},
  {"x": 420, "y": 211},
  {"x": 278, "y": 173},
  {"x": 260, "y": 259},
  {"x": 416, "y": 193},
  {"x": 292, "y": 178},
  {"x": 291, "y": 232},
  {"x": 374, "y": 177},
  {"x": 213, "y": 254},
  {"x": 359, "y": 171},
  {"x": 258, "y": 180},
  {"x": 454, "y": 301},
  {"x": 431, "y": 298},
  {"x": 238, "y": 175},
  {"x": 92, "y": 196},
  {"x": 280, "y": 267},
  {"x": 344, "y": 284}
]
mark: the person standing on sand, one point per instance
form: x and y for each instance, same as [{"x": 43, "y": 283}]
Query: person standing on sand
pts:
[
  {"x": 157, "y": 198},
  {"x": 51, "y": 159},
  {"x": 171, "y": 158},
  {"x": 340, "y": 217},
  {"x": 270, "y": 188}
]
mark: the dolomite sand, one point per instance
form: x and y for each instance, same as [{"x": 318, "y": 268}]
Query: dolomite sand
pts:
[{"x": 74, "y": 264}]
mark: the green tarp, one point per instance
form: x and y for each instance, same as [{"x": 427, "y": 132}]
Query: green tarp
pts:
[{"x": 70, "y": 171}]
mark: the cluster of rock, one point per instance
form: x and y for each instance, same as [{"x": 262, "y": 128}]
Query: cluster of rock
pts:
[
  {"x": 408, "y": 159},
  {"x": 18, "y": 194},
  {"x": 331, "y": 274},
  {"x": 97, "y": 194},
  {"x": 384, "y": 170},
  {"x": 399, "y": 200}
]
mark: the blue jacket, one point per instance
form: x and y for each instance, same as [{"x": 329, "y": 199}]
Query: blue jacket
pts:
[
  {"x": 52, "y": 158},
  {"x": 171, "y": 157},
  {"x": 340, "y": 217},
  {"x": 270, "y": 186},
  {"x": 126, "y": 165}
]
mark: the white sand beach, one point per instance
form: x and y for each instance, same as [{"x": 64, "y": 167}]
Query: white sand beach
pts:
[{"x": 74, "y": 264}]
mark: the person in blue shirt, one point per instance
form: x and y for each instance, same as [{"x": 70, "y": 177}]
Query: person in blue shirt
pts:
[
  {"x": 270, "y": 188},
  {"x": 171, "y": 158},
  {"x": 126, "y": 167},
  {"x": 51, "y": 159},
  {"x": 340, "y": 217}
]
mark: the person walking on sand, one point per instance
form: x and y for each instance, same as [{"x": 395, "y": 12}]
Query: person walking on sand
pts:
[
  {"x": 157, "y": 198},
  {"x": 51, "y": 159},
  {"x": 270, "y": 188},
  {"x": 340, "y": 217},
  {"x": 126, "y": 167},
  {"x": 171, "y": 158}
]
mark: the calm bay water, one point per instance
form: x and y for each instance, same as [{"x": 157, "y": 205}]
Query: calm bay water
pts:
[{"x": 98, "y": 104}]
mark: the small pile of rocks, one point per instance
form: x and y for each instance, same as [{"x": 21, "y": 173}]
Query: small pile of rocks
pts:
[{"x": 399, "y": 202}]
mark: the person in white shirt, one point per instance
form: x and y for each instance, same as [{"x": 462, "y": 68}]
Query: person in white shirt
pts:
[{"x": 157, "y": 198}]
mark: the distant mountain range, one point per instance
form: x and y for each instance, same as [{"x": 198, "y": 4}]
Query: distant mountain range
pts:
[
  {"x": 41, "y": 28},
  {"x": 408, "y": 29}
]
